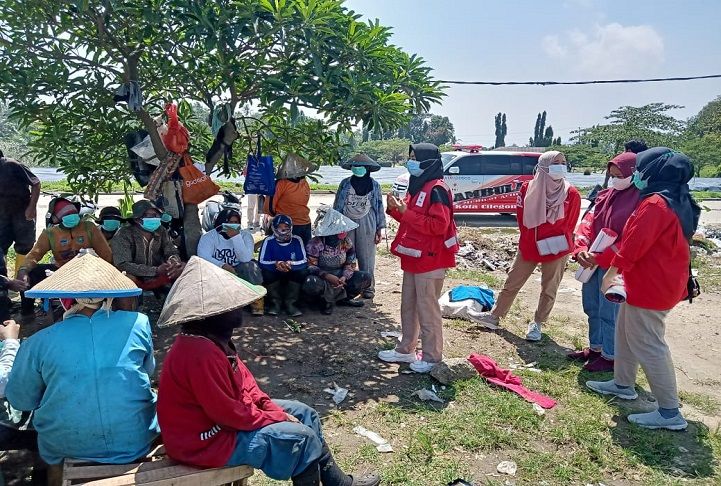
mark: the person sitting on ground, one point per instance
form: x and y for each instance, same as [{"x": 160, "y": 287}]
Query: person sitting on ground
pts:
[
  {"x": 653, "y": 261},
  {"x": 360, "y": 198},
  {"x": 110, "y": 220},
  {"x": 7, "y": 284},
  {"x": 332, "y": 262},
  {"x": 610, "y": 211},
  {"x": 284, "y": 266},
  {"x": 14, "y": 431},
  {"x": 210, "y": 408},
  {"x": 231, "y": 248},
  {"x": 548, "y": 210},
  {"x": 144, "y": 250},
  {"x": 292, "y": 194},
  {"x": 65, "y": 237},
  {"x": 87, "y": 378}
]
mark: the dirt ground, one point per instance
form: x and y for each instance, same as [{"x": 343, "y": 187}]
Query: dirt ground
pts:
[{"x": 341, "y": 349}]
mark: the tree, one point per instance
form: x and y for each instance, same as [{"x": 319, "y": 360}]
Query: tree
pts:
[
  {"x": 705, "y": 154},
  {"x": 542, "y": 135},
  {"x": 501, "y": 130},
  {"x": 425, "y": 127},
  {"x": 61, "y": 61},
  {"x": 556, "y": 141},
  {"x": 583, "y": 156},
  {"x": 650, "y": 122},
  {"x": 708, "y": 120},
  {"x": 393, "y": 150},
  {"x": 13, "y": 140}
]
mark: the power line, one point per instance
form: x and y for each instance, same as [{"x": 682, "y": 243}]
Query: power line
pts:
[{"x": 599, "y": 81}]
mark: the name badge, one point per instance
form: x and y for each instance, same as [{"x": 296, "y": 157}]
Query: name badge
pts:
[{"x": 421, "y": 199}]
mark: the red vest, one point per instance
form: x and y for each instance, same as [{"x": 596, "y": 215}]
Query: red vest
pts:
[{"x": 419, "y": 243}]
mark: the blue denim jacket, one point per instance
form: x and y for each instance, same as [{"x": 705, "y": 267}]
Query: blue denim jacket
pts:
[{"x": 377, "y": 200}]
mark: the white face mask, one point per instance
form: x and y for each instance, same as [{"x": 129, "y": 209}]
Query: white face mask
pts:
[
  {"x": 557, "y": 172},
  {"x": 620, "y": 183}
]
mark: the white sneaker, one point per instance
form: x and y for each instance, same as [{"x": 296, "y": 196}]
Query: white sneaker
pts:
[
  {"x": 610, "y": 388},
  {"x": 393, "y": 356},
  {"x": 654, "y": 420},
  {"x": 420, "y": 366},
  {"x": 489, "y": 319},
  {"x": 534, "y": 332}
]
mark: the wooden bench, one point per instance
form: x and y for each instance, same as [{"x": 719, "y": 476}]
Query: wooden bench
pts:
[{"x": 156, "y": 469}]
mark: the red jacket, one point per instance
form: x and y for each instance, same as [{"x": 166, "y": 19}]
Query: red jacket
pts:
[
  {"x": 203, "y": 401},
  {"x": 527, "y": 241},
  {"x": 584, "y": 238},
  {"x": 653, "y": 256},
  {"x": 426, "y": 238}
]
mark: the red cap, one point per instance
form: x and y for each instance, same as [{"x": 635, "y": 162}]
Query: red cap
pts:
[{"x": 63, "y": 207}]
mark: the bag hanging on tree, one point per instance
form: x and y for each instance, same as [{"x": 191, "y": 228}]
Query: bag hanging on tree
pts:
[
  {"x": 197, "y": 187},
  {"x": 178, "y": 138},
  {"x": 260, "y": 176}
]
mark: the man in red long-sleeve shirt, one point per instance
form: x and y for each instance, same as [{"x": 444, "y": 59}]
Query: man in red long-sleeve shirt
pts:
[
  {"x": 653, "y": 262},
  {"x": 210, "y": 409}
]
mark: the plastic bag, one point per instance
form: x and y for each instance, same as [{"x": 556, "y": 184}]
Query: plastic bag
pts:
[
  {"x": 197, "y": 187},
  {"x": 260, "y": 175},
  {"x": 178, "y": 137},
  {"x": 146, "y": 151}
]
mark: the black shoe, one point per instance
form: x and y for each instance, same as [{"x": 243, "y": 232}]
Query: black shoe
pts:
[
  {"x": 372, "y": 479},
  {"x": 291, "y": 297},
  {"x": 351, "y": 303},
  {"x": 327, "y": 308},
  {"x": 272, "y": 299}
]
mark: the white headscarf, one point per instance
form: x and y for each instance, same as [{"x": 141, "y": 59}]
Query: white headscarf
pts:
[{"x": 545, "y": 196}]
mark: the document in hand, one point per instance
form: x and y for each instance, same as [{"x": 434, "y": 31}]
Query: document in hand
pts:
[{"x": 606, "y": 237}]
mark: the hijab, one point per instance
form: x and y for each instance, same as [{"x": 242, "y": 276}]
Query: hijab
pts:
[
  {"x": 430, "y": 158},
  {"x": 223, "y": 217},
  {"x": 282, "y": 236},
  {"x": 612, "y": 208},
  {"x": 667, "y": 174},
  {"x": 545, "y": 196},
  {"x": 362, "y": 185}
]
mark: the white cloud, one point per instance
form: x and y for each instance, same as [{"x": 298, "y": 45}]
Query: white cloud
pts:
[{"x": 609, "y": 50}]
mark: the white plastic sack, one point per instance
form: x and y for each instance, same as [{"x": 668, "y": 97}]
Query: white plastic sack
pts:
[
  {"x": 469, "y": 310},
  {"x": 146, "y": 151}
]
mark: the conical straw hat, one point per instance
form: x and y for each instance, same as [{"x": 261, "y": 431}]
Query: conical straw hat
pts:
[
  {"x": 86, "y": 276},
  {"x": 295, "y": 166},
  {"x": 205, "y": 290},
  {"x": 334, "y": 222},
  {"x": 361, "y": 160}
]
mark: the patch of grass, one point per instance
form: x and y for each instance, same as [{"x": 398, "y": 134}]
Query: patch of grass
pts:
[
  {"x": 701, "y": 195},
  {"x": 476, "y": 276},
  {"x": 703, "y": 403}
]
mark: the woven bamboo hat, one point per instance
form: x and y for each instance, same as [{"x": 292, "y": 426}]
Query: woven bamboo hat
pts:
[
  {"x": 333, "y": 223},
  {"x": 85, "y": 276},
  {"x": 295, "y": 166},
  {"x": 205, "y": 290},
  {"x": 361, "y": 160}
]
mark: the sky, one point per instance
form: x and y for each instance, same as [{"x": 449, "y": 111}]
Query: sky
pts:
[{"x": 519, "y": 40}]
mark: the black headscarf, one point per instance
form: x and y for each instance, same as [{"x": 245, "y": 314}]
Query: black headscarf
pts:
[
  {"x": 430, "y": 158},
  {"x": 362, "y": 185},
  {"x": 667, "y": 173},
  {"x": 223, "y": 217}
]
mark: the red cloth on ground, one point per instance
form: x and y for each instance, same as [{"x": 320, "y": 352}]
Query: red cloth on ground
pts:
[
  {"x": 565, "y": 226},
  {"x": 653, "y": 256},
  {"x": 204, "y": 400},
  {"x": 493, "y": 373}
]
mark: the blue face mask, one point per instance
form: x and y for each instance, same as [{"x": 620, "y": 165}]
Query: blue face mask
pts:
[
  {"x": 151, "y": 224},
  {"x": 231, "y": 226},
  {"x": 359, "y": 171},
  {"x": 414, "y": 168},
  {"x": 71, "y": 220},
  {"x": 111, "y": 225},
  {"x": 637, "y": 180},
  {"x": 166, "y": 218}
]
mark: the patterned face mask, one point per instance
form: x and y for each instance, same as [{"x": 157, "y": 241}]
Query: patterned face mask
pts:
[{"x": 283, "y": 235}]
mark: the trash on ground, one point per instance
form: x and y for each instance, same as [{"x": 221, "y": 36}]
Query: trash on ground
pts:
[
  {"x": 382, "y": 445},
  {"x": 459, "y": 482},
  {"x": 507, "y": 467},
  {"x": 339, "y": 393},
  {"x": 426, "y": 394},
  {"x": 539, "y": 409},
  {"x": 293, "y": 325},
  {"x": 395, "y": 334}
]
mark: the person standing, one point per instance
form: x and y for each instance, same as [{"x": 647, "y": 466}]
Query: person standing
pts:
[
  {"x": 611, "y": 210},
  {"x": 253, "y": 212},
  {"x": 548, "y": 210},
  {"x": 292, "y": 195},
  {"x": 359, "y": 197},
  {"x": 652, "y": 264},
  {"x": 427, "y": 244},
  {"x": 19, "y": 194}
]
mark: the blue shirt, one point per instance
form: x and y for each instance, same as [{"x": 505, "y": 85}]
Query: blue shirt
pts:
[
  {"x": 272, "y": 252},
  {"x": 88, "y": 381}
]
